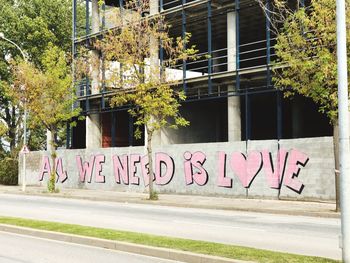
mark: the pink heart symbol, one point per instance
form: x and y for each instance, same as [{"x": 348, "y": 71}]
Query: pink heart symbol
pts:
[{"x": 246, "y": 168}]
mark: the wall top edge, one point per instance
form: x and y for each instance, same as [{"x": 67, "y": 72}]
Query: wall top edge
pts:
[{"x": 197, "y": 146}]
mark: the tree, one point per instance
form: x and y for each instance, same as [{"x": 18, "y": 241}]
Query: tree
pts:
[
  {"x": 32, "y": 24},
  {"x": 48, "y": 95},
  {"x": 135, "y": 75},
  {"x": 306, "y": 57}
]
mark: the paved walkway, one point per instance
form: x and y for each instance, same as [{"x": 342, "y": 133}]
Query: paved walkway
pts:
[{"x": 319, "y": 209}]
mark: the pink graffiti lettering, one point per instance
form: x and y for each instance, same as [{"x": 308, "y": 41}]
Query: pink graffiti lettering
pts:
[
  {"x": 284, "y": 169},
  {"x": 246, "y": 168},
  {"x": 274, "y": 173},
  {"x": 121, "y": 168},
  {"x": 223, "y": 181},
  {"x": 164, "y": 179},
  {"x": 134, "y": 159},
  {"x": 85, "y": 169},
  {"x": 99, "y": 160},
  {"x": 145, "y": 169},
  {"x": 295, "y": 158},
  {"x": 62, "y": 175},
  {"x": 195, "y": 160},
  {"x": 45, "y": 168}
]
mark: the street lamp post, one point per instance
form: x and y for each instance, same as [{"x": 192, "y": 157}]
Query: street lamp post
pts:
[
  {"x": 344, "y": 150},
  {"x": 2, "y": 36}
]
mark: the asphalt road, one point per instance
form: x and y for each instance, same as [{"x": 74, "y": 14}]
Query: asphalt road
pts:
[
  {"x": 293, "y": 234},
  {"x": 23, "y": 249}
]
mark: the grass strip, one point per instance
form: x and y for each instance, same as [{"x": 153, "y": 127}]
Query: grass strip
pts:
[{"x": 201, "y": 247}]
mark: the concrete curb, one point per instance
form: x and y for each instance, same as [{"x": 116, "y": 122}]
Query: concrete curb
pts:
[{"x": 157, "y": 252}]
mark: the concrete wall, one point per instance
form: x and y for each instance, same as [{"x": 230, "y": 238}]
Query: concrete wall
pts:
[{"x": 221, "y": 169}]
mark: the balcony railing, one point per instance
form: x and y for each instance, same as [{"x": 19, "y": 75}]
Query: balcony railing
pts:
[
  {"x": 167, "y": 4},
  {"x": 252, "y": 55}
]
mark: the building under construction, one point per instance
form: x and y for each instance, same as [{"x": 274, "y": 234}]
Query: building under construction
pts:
[{"x": 230, "y": 93}]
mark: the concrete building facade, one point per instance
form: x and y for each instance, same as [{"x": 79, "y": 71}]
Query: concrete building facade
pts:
[
  {"x": 245, "y": 139},
  {"x": 230, "y": 94}
]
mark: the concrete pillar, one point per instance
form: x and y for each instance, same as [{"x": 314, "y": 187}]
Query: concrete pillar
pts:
[
  {"x": 157, "y": 139},
  {"x": 48, "y": 140},
  {"x": 234, "y": 118},
  {"x": 154, "y": 58},
  {"x": 95, "y": 16},
  {"x": 93, "y": 121},
  {"x": 93, "y": 131},
  {"x": 231, "y": 41},
  {"x": 160, "y": 137},
  {"x": 154, "y": 7},
  {"x": 233, "y": 103}
]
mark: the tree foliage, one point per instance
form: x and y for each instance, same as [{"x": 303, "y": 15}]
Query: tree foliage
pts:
[
  {"x": 306, "y": 50},
  {"x": 47, "y": 94},
  {"x": 133, "y": 71},
  {"x": 306, "y": 57},
  {"x": 32, "y": 24}
]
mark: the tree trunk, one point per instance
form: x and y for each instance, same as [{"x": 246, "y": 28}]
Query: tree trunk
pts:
[
  {"x": 152, "y": 194},
  {"x": 13, "y": 129},
  {"x": 336, "y": 165},
  {"x": 51, "y": 187}
]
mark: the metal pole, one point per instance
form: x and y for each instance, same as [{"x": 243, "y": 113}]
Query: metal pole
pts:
[
  {"x": 131, "y": 130},
  {"x": 103, "y": 16},
  {"x": 238, "y": 77},
  {"x": 24, "y": 145},
  {"x": 268, "y": 44},
  {"x": 87, "y": 17},
  {"x": 210, "y": 59},
  {"x": 184, "y": 64},
  {"x": 13, "y": 43},
  {"x": 69, "y": 140},
  {"x": 113, "y": 129},
  {"x": 344, "y": 151},
  {"x": 237, "y": 8},
  {"x": 279, "y": 115}
]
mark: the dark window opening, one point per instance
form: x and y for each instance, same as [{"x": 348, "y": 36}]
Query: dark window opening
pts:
[{"x": 79, "y": 135}]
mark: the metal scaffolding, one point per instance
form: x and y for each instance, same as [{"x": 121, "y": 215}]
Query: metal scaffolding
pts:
[{"x": 208, "y": 77}]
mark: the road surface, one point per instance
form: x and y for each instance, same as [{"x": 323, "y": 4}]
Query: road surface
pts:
[
  {"x": 23, "y": 249},
  {"x": 293, "y": 234}
]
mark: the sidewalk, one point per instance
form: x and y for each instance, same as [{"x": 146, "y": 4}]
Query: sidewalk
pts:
[{"x": 317, "y": 209}]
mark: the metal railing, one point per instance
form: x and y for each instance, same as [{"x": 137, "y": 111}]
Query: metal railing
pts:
[
  {"x": 251, "y": 56},
  {"x": 167, "y": 4}
]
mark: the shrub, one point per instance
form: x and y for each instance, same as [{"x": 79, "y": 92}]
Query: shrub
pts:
[{"x": 9, "y": 171}]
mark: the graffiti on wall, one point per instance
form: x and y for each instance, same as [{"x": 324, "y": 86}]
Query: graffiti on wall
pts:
[{"x": 134, "y": 168}]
